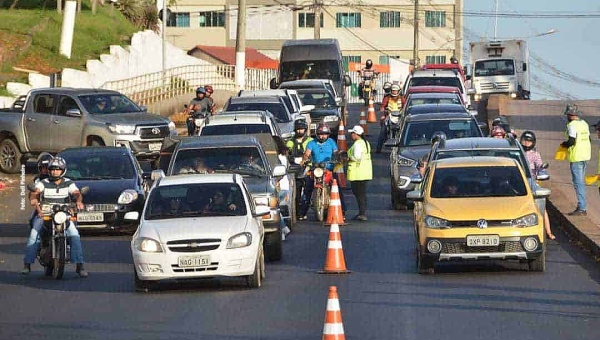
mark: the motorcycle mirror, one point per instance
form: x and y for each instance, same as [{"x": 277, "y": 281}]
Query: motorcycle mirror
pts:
[
  {"x": 545, "y": 165},
  {"x": 31, "y": 187},
  {"x": 85, "y": 190}
]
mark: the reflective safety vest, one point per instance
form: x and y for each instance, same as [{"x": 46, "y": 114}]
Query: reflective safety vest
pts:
[
  {"x": 394, "y": 104},
  {"x": 297, "y": 148},
  {"x": 582, "y": 149},
  {"x": 360, "y": 170}
]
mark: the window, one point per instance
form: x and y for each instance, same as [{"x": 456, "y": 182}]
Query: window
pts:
[
  {"x": 212, "y": 19},
  {"x": 44, "y": 103},
  {"x": 435, "y": 59},
  {"x": 347, "y": 20},
  {"x": 385, "y": 59},
  {"x": 179, "y": 20},
  {"x": 308, "y": 20},
  {"x": 66, "y": 103},
  {"x": 346, "y": 59},
  {"x": 435, "y": 19},
  {"x": 389, "y": 19}
]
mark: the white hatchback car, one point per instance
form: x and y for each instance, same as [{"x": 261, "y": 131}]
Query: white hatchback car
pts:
[{"x": 199, "y": 226}]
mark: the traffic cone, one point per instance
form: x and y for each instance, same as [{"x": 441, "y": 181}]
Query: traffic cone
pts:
[
  {"x": 342, "y": 144},
  {"x": 341, "y": 175},
  {"x": 362, "y": 121},
  {"x": 372, "y": 117},
  {"x": 333, "y": 328},
  {"x": 334, "y": 213},
  {"x": 335, "y": 263}
]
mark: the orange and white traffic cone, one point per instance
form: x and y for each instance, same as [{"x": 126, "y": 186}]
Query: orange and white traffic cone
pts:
[
  {"x": 334, "y": 213},
  {"x": 362, "y": 121},
  {"x": 371, "y": 117},
  {"x": 335, "y": 263},
  {"x": 342, "y": 144},
  {"x": 333, "y": 328},
  {"x": 341, "y": 175}
]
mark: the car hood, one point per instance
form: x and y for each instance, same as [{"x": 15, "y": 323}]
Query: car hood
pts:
[
  {"x": 218, "y": 227},
  {"x": 106, "y": 190},
  {"x": 415, "y": 152},
  {"x": 489, "y": 208},
  {"x": 138, "y": 118},
  {"x": 320, "y": 112},
  {"x": 257, "y": 185}
]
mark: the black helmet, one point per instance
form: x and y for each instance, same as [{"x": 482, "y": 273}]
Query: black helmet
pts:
[
  {"x": 300, "y": 124},
  {"x": 201, "y": 89},
  {"x": 530, "y": 136},
  {"x": 322, "y": 129},
  {"x": 44, "y": 160},
  {"x": 57, "y": 163},
  {"x": 387, "y": 87},
  {"x": 369, "y": 63},
  {"x": 437, "y": 136}
]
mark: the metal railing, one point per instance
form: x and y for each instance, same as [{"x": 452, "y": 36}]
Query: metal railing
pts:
[{"x": 352, "y": 91}]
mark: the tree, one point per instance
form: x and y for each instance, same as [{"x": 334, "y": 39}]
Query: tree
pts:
[{"x": 14, "y": 4}]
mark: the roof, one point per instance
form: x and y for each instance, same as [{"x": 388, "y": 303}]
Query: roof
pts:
[
  {"x": 219, "y": 141},
  {"x": 199, "y": 178},
  {"x": 239, "y": 117},
  {"x": 475, "y": 161},
  {"x": 75, "y": 91},
  {"x": 438, "y": 116},
  {"x": 435, "y": 108},
  {"x": 264, "y": 93},
  {"x": 226, "y": 55},
  {"x": 434, "y": 73},
  {"x": 257, "y": 99},
  {"x": 478, "y": 143},
  {"x": 434, "y": 89}
]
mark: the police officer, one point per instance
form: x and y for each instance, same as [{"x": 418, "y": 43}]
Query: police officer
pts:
[{"x": 360, "y": 169}]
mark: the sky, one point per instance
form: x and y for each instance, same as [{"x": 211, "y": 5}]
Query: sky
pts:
[{"x": 573, "y": 49}]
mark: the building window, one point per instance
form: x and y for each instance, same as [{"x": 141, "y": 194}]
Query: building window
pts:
[
  {"x": 435, "y": 19},
  {"x": 308, "y": 20},
  {"x": 435, "y": 59},
  {"x": 346, "y": 59},
  {"x": 347, "y": 19},
  {"x": 179, "y": 20},
  {"x": 212, "y": 19},
  {"x": 385, "y": 59},
  {"x": 389, "y": 19}
]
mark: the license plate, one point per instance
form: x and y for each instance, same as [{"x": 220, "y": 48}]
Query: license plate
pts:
[
  {"x": 483, "y": 240},
  {"x": 90, "y": 217},
  {"x": 313, "y": 126},
  {"x": 154, "y": 146},
  {"x": 194, "y": 261}
]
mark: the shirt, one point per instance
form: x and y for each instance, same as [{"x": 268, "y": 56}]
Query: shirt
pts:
[
  {"x": 56, "y": 193},
  {"x": 534, "y": 160},
  {"x": 202, "y": 105},
  {"x": 322, "y": 152}
]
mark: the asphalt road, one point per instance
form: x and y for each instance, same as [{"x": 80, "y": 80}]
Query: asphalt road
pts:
[{"x": 383, "y": 297}]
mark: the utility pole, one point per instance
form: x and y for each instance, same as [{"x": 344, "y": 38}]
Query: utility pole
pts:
[
  {"x": 496, "y": 19},
  {"x": 416, "y": 35},
  {"x": 317, "y": 10},
  {"x": 240, "y": 46}
]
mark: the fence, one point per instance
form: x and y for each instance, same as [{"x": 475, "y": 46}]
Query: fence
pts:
[{"x": 352, "y": 91}]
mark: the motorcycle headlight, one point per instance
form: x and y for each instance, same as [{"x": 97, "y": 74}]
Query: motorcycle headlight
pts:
[
  {"x": 122, "y": 129},
  {"x": 128, "y": 196},
  {"x": 435, "y": 222},
  {"x": 331, "y": 119},
  {"x": 147, "y": 245},
  {"x": 318, "y": 172},
  {"x": 239, "y": 240},
  {"x": 403, "y": 161},
  {"x": 525, "y": 221},
  {"x": 60, "y": 217}
]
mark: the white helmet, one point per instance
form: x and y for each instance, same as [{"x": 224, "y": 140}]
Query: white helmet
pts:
[{"x": 396, "y": 89}]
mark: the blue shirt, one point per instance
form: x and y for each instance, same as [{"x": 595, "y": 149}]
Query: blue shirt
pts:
[{"x": 322, "y": 152}]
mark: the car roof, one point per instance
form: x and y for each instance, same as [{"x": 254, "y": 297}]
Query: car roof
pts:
[
  {"x": 264, "y": 93},
  {"x": 314, "y": 90},
  {"x": 218, "y": 141},
  {"x": 239, "y": 117},
  {"x": 438, "y": 116},
  {"x": 257, "y": 99},
  {"x": 433, "y": 95},
  {"x": 478, "y": 143},
  {"x": 433, "y": 88},
  {"x": 117, "y": 150},
  {"x": 435, "y": 73},
  {"x": 434, "y": 108},
  {"x": 475, "y": 161},
  {"x": 75, "y": 91},
  {"x": 200, "y": 178}
]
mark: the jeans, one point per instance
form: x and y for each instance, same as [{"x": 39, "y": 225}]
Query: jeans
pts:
[
  {"x": 191, "y": 126},
  {"x": 382, "y": 136},
  {"x": 308, "y": 189},
  {"x": 359, "y": 189},
  {"x": 577, "y": 175},
  {"x": 33, "y": 242}
]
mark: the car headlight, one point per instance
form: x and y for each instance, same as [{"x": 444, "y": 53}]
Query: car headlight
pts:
[
  {"x": 239, "y": 240},
  {"x": 122, "y": 129},
  {"x": 60, "y": 217},
  {"x": 127, "y": 196},
  {"x": 435, "y": 222},
  {"x": 525, "y": 221},
  {"x": 330, "y": 119},
  {"x": 403, "y": 161},
  {"x": 147, "y": 245}
]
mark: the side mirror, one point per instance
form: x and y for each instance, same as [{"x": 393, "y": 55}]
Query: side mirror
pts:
[
  {"x": 273, "y": 83},
  {"x": 338, "y": 100},
  {"x": 415, "y": 195},
  {"x": 261, "y": 210},
  {"x": 347, "y": 80},
  {"x": 73, "y": 113},
  {"x": 482, "y": 125},
  {"x": 416, "y": 178},
  {"x": 31, "y": 187},
  {"x": 470, "y": 91},
  {"x": 144, "y": 108},
  {"x": 474, "y": 113},
  {"x": 85, "y": 190},
  {"x": 279, "y": 170},
  {"x": 541, "y": 193},
  {"x": 392, "y": 142},
  {"x": 156, "y": 175},
  {"x": 307, "y": 108}
]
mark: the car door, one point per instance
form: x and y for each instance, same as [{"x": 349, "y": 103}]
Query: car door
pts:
[
  {"x": 68, "y": 127},
  {"x": 39, "y": 117}
]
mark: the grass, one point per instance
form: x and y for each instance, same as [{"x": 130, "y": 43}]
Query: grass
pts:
[{"x": 93, "y": 36}]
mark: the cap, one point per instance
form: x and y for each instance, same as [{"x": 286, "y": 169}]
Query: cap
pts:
[
  {"x": 597, "y": 126},
  {"x": 357, "y": 129},
  {"x": 572, "y": 110}
]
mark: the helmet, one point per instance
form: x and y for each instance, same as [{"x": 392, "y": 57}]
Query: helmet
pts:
[
  {"x": 572, "y": 110},
  {"x": 387, "y": 87},
  {"x": 437, "y": 136},
  {"x": 530, "y": 136},
  {"x": 209, "y": 89},
  {"x": 43, "y": 161},
  {"x": 57, "y": 163},
  {"x": 201, "y": 90},
  {"x": 300, "y": 124},
  {"x": 369, "y": 63},
  {"x": 396, "y": 88},
  {"x": 498, "y": 131},
  {"x": 322, "y": 129}
]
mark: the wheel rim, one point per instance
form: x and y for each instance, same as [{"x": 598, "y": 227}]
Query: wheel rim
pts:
[{"x": 8, "y": 156}]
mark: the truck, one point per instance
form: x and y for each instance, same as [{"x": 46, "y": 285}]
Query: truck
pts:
[
  {"x": 500, "y": 67},
  {"x": 52, "y": 119}
]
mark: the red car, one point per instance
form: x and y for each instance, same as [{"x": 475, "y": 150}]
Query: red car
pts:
[
  {"x": 432, "y": 89},
  {"x": 455, "y": 67}
]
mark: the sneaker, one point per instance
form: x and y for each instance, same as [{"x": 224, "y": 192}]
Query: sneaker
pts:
[
  {"x": 286, "y": 230},
  {"x": 578, "y": 212},
  {"x": 360, "y": 218},
  {"x": 26, "y": 269},
  {"x": 81, "y": 271},
  {"x": 303, "y": 218}
]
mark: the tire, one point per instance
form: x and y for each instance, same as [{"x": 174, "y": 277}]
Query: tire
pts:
[
  {"x": 97, "y": 142},
  {"x": 396, "y": 205},
  {"x": 254, "y": 280},
  {"x": 59, "y": 263},
  {"x": 10, "y": 157},
  {"x": 263, "y": 272},
  {"x": 273, "y": 246},
  {"x": 539, "y": 264},
  {"x": 319, "y": 205},
  {"x": 425, "y": 267},
  {"x": 142, "y": 285},
  {"x": 367, "y": 102},
  {"x": 48, "y": 270}
]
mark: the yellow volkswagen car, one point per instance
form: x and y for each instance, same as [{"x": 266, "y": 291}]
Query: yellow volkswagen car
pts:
[{"x": 477, "y": 208}]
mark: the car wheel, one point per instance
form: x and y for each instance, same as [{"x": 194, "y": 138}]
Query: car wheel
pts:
[
  {"x": 273, "y": 246},
  {"x": 97, "y": 142},
  {"x": 424, "y": 266},
  {"x": 263, "y": 272},
  {"x": 396, "y": 205},
  {"x": 254, "y": 280},
  {"x": 142, "y": 285},
  {"x": 539, "y": 264},
  {"x": 10, "y": 157}
]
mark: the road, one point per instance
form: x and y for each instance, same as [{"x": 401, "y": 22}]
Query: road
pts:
[{"x": 383, "y": 297}]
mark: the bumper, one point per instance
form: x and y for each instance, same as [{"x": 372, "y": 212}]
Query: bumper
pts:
[
  {"x": 143, "y": 149},
  {"x": 272, "y": 222},
  {"x": 456, "y": 249},
  {"x": 110, "y": 217}
]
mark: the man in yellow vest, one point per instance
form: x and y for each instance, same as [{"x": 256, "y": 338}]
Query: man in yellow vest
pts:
[
  {"x": 360, "y": 169},
  {"x": 597, "y": 127},
  {"x": 391, "y": 102},
  {"x": 579, "y": 151}
]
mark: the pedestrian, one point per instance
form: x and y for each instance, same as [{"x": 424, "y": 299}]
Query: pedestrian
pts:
[
  {"x": 579, "y": 152},
  {"x": 360, "y": 169},
  {"x": 597, "y": 127}
]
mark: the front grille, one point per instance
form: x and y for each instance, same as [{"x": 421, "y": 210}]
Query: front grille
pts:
[
  {"x": 499, "y": 86},
  {"x": 473, "y": 224},
  {"x": 153, "y": 132},
  {"x": 503, "y": 247},
  {"x": 101, "y": 207},
  {"x": 213, "y": 266},
  {"x": 193, "y": 245}
]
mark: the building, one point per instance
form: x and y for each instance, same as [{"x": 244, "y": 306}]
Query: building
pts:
[{"x": 366, "y": 29}]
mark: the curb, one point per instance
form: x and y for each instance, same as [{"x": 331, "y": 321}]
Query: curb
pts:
[{"x": 571, "y": 230}]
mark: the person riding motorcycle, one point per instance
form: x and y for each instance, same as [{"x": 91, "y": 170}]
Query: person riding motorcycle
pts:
[
  {"x": 42, "y": 166},
  {"x": 297, "y": 147},
  {"x": 387, "y": 88},
  {"x": 56, "y": 189},
  {"x": 321, "y": 149},
  {"x": 391, "y": 102},
  {"x": 367, "y": 73},
  {"x": 199, "y": 106},
  {"x": 212, "y": 107}
]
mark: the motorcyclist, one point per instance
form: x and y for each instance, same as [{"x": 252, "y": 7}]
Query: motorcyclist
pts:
[
  {"x": 198, "y": 107},
  {"x": 56, "y": 189},
  {"x": 212, "y": 107},
  {"x": 42, "y": 165},
  {"x": 498, "y": 132},
  {"x": 367, "y": 73},
  {"x": 297, "y": 146},
  {"x": 388, "y": 104},
  {"x": 387, "y": 88},
  {"x": 501, "y": 121},
  {"x": 321, "y": 149}
]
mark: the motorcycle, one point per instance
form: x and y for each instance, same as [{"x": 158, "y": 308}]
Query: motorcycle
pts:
[
  {"x": 368, "y": 85},
  {"x": 196, "y": 118},
  {"x": 322, "y": 180},
  {"x": 393, "y": 122}
]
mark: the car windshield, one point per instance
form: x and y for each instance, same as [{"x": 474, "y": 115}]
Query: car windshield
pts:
[
  {"x": 317, "y": 69},
  {"x": 108, "y": 103},
  {"x": 98, "y": 166},
  {"x": 477, "y": 181},
  {"x": 420, "y": 132},
  {"x": 446, "y": 100},
  {"x": 243, "y": 160},
  {"x": 277, "y": 109},
  {"x": 195, "y": 200},
  {"x": 436, "y": 81},
  {"x": 496, "y": 67},
  {"x": 514, "y": 154},
  {"x": 318, "y": 99},
  {"x": 235, "y": 129}
]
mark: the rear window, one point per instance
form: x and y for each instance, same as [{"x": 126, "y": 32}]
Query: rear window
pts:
[
  {"x": 242, "y": 160},
  {"x": 277, "y": 109},
  {"x": 236, "y": 129},
  {"x": 420, "y": 101},
  {"x": 420, "y": 133},
  {"x": 436, "y": 81},
  {"x": 484, "y": 181}
]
